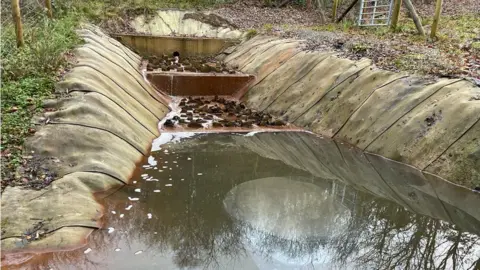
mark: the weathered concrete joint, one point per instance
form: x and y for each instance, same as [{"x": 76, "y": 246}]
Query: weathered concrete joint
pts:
[{"x": 431, "y": 126}]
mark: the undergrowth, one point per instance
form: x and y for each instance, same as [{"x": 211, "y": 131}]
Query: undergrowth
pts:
[{"x": 28, "y": 77}]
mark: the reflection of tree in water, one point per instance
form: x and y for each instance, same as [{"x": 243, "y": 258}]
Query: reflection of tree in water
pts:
[
  {"x": 383, "y": 235},
  {"x": 267, "y": 244},
  {"x": 192, "y": 222}
]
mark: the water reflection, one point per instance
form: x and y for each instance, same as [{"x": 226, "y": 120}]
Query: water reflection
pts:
[{"x": 233, "y": 207}]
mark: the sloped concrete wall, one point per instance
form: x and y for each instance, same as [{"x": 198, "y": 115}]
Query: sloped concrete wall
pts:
[
  {"x": 433, "y": 126},
  {"x": 423, "y": 193},
  {"x": 94, "y": 137}
]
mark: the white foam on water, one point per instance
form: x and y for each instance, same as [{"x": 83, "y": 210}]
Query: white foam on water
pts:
[
  {"x": 113, "y": 212},
  {"x": 138, "y": 252},
  {"x": 138, "y": 190},
  {"x": 251, "y": 133},
  {"x": 189, "y": 158},
  {"x": 134, "y": 182},
  {"x": 87, "y": 250},
  {"x": 117, "y": 249},
  {"x": 149, "y": 216},
  {"x": 168, "y": 185},
  {"x": 199, "y": 173},
  {"x": 144, "y": 175},
  {"x": 151, "y": 161},
  {"x": 129, "y": 207},
  {"x": 111, "y": 229},
  {"x": 170, "y": 137},
  {"x": 133, "y": 199},
  {"x": 122, "y": 215},
  {"x": 156, "y": 190}
]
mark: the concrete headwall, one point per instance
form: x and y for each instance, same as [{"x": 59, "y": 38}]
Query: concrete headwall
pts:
[
  {"x": 433, "y": 126},
  {"x": 186, "y": 46},
  {"x": 92, "y": 138},
  {"x": 200, "y": 84}
]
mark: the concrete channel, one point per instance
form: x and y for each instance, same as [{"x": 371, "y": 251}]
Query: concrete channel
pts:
[{"x": 393, "y": 136}]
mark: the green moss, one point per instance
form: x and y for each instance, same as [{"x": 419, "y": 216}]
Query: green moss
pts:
[
  {"x": 360, "y": 48},
  {"x": 251, "y": 33},
  {"x": 268, "y": 27}
]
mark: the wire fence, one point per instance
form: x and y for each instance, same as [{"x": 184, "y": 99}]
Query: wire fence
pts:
[
  {"x": 31, "y": 11},
  {"x": 21, "y": 15}
]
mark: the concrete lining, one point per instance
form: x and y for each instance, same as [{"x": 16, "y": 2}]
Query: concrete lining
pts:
[
  {"x": 101, "y": 131},
  {"x": 186, "y": 46},
  {"x": 398, "y": 116},
  {"x": 200, "y": 84},
  {"x": 101, "y": 127}
]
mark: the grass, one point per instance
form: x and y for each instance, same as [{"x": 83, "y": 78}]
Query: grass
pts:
[
  {"x": 28, "y": 77},
  {"x": 29, "y": 73}
]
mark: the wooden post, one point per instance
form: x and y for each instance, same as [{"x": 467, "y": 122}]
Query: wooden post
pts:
[
  {"x": 17, "y": 20},
  {"x": 396, "y": 14},
  {"x": 48, "y": 5},
  {"x": 309, "y": 4},
  {"x": 416, "y": 19},
  {"x": 335, "y": 6},
  {"x": 436, "y": 18}
]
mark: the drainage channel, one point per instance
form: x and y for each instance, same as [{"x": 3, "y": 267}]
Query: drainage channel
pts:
[
  {"x": 258, "y": 201},
  {"x": 229, "y": 187}
]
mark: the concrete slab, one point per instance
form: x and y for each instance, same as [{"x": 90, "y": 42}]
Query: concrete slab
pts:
[{"x": 200, "y": 84}]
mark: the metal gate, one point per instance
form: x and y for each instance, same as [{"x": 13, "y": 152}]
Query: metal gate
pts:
[{"x": 375, "y": 12}]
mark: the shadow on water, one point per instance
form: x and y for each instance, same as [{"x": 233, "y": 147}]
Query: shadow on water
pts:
[{"x": 278, "y": 201}]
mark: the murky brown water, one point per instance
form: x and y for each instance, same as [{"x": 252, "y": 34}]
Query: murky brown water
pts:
[{"x": 209, "y": 202}]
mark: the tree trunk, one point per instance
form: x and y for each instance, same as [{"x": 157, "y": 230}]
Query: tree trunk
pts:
[
  {"x": 17, "y": 20},
  {"x": 335, "y": 6},
  {"x": 396, "y": 14},
  {"x": 415, "y": 17},
  {"x": 436, "y": 18},
  {"x": 48, "y": 5}
]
